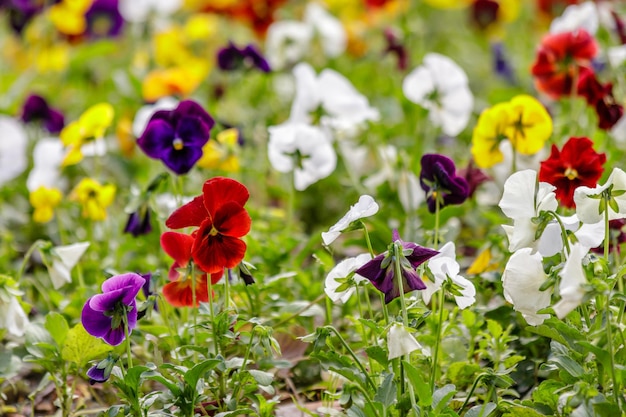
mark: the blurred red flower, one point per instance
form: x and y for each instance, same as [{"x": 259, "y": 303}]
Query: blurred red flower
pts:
[
  {"x": 574, "y": 165},
  {"x": 222, "y": 221},
  {"x": 561, "y": 58}
]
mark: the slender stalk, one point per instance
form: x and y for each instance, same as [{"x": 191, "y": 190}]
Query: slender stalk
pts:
[
  {"x": 127, "y": 340},
  {"x": 367, "y": 239},
  {"x": 433, "y": 375},
  {"x": 351, "y": 352},
  {"x": 212, "y": 316},
  {"x": 27, "y": 256},
  {"x": 194, "y": 309}
]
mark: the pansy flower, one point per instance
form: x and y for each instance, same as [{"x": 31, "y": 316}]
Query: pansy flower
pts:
[
  {"x": 221, "y": 220},
  {"x": 233, "y": 58},
  {"x": 138, "y": 222},
  {"x": 577, "y": 16},
  {"x": 258, "y": 14},
  {"x": 60, "y": 260},
  {"x": 13, "y": 318},
  {"x": 560, "y": 57},
  {"x": 365, "y": 207},
  {"x": 444, "y": 267},
  {"x": 380, "y": 270},
  {"x": 101, "y": 372},
  {"x": 441, "y": 87},
  {"x": 113, "y": 313},
  {"x": 44, "y": 201},
  {"x": 574, "y": 165},
  {"x": 341, "y": 281},
  {"x": 94, "y": 198},
  {"x": 223, "y": 152},
  {"x": 591, "y": 203},
  {"x": 36, "y": 109},
  {"x": 88, "y": 129},
  {"x": 179, "y": 291},
  {"x": 439, "y": 180},
  {"x": 103, "y": 19},
  {"x": 600, "y": 97},
  {"x": 138, "y": 11},
  {"x": 573, "y": 278},
  {"x": 400, "y": 341},
  {"x": 13, "y": 145},
  {"x": 177, "y": 136}
]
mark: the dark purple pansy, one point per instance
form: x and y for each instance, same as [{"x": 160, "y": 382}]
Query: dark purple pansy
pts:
[
  {"x": 177, "y": 136},
  {"x": 104, "y": 19},
  {"x": 438, "y": 178},
  {"x": 395, "y": 47},
  {"x": 102, "y": 370},
  {"x": 501, "y": 65},
  {"x": 474, "y": 176},
  {"x": 36, "y": 109},
  {"x": 103, "y": 314},
  {"x": 233, "y": 58},
  {"x": 139, "y": 222},
  {"x": 380, "y": 270}
]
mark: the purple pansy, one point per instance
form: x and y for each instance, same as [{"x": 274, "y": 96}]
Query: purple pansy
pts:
[
  {"x": 36, "y": 109},
  {"x": 380, "y": 270},
  {"x": 396, "y": 47},
  {"x": 102, "y": 370},
  {"x": 104, "y": 19},
  {"x": 232, "y": 58},
  {"x": 501, "y": 65},
  {"x": 139, "y": 222},
  {"x": 438, "y": 178},
  {"x": 21, "y": 12},
  {"x": 103, "y": 314},
  {"x": 177, "y": 136}
]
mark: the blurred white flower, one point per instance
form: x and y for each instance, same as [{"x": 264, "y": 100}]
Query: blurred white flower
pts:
[
  {"x": 137, "y": 11},
  {"x": 522, "y": 277},
  {"x": 12, "y": 315},
  {"x": 400, "y": 342},
  {"x": 521, "y": 203},
  {"x": 590, "y": 206},
  {"x": 572, "y": 280},
  {"x": 410, "y": 192},
  {"x": 365, "y": 207},
  {"x": 64, "y": 258},
  {"x": 143, "y": 115},
  {"x": 46, "y": 171},
  {"x": 577, "y": 16},
  {"x": 303, "y": 149},
  {"x": 388, "y": 156},
  {"x": 13, "y": 160},
  {"x": 288, "y": 41},
  {"x": 336, "y": 286},
  {"x": 441, "y": 87},
  {"x": 444, "y": 266}
]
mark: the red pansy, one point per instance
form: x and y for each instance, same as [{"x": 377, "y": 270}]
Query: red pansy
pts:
[
  {"x": 258, "y": 14},
  {"x": 179, "y": 292},
  {"x": 600, "y": 97},
  {"x": 221, "y": 220},
  {"x": 574, "y": 165},
  {"x": 561, "y": 57}
]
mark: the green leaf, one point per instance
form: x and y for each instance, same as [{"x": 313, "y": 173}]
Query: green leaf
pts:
[
  {"x": 442, "y": 397},
  {"x": 521, "y": 412},
  {"x": 194, "y": 374},
  {"x": 57, "y": 327},
  {"x": 240, "y": 412},
  {"x": 386, "y": 393},
  {"x": 561, "y": 332},
  {"x": 262, "y": 378},
  {"x": 481, "y": 410},
  {"x": 379, "y": 354},
  {"x": 568, "y": 365},
  {"x": 80, "y": 347},
  {"x": 421, "y": 386}
]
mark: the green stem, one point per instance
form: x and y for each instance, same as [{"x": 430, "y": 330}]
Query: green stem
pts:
[
  {"x": 194, "y": 309},
  {"x": 27, "y": 256},
  {"x": 127, "y": 339},
  {"x": 367, "y": 239},
  {"x": 433, "y": 376},
  {"x": 243, "y": 365},
  {"x": 351, "y": 352},
  {"x": 436, "y": 242},
  {"x": 212, "y": 315}
]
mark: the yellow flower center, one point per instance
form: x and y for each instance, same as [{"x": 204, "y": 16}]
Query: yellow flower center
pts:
[
  {"x": 213, "y": 231},
  {"x": 178, "y": 144},
  {"x": 571, "y": 173}
]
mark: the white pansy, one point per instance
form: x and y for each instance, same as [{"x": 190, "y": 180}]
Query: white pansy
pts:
[
  {"x": 143, "y": 115},
  {"x": 577, "y": 16},
  {"x": 330, "y": 30},
  {"x": 47, "y": 158},
  {"x": 12, "y": 315},
  {"x": 521, "y": 203},
  {"x": 410, "y": 193},
  {"x": 400, "y": 341},
  {"x": 588, "y": 235},
  {"x": 616, "y": 55},
  {"x": 521, "y": 280},
  {"x": 441, "y": 87},
  {"x": 388, "y": 159},
  {"x": 365, "y": 207},
  {"x": 64, "y": 258},
  {"x": 444, "y": 266},
  {"x": 13, "y": 160},
  {"x": 342, "y": 270},
  {"x": 137, "y": 11},
  {"x": 310, "y": 144},
  {"x": 588, "y": 206},
  {"x": 572, "y": 280}
]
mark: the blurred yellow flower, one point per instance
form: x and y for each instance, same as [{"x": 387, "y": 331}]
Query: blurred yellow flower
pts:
[
  {"x": 94, "y": 198},
  {"x": 201, "y": 26},
  {"x": 448, "y": 4},
  {"x": 222, "y": 153},
  {"x": 44, "y": 201},
  {"x": 524, "y": 121},
  {"x": 530, "y": 125},
  {"x": 68, "y": 16},
  {"x": 91, "y": 125},
  {"x": 482, "y": 263},
  {"x": 125, "y": 137},
  {"x": 179, "y": 81}
]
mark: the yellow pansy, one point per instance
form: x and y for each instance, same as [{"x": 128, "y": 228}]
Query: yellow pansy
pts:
[
  {"x": 488, "y": 133},
  {"x": 68, "y": 16},
  {"x": 222, "y": 152},
  {"x": 523, "y": 121},
  {"x": 530, "y": 125},
  {"x": 180, "y": 81},
  {"x": 44, "y": 201},
  {"x": 92, "y": 124},
  {"x": 448, "y": 4},
  {"x": 94, "y": 198},
  {"x": 201, "y": 26},
  {"x": 482, "y": 263}
]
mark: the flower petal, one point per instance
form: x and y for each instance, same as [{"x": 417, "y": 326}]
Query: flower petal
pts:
[{"x": 191, "y": 214}]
